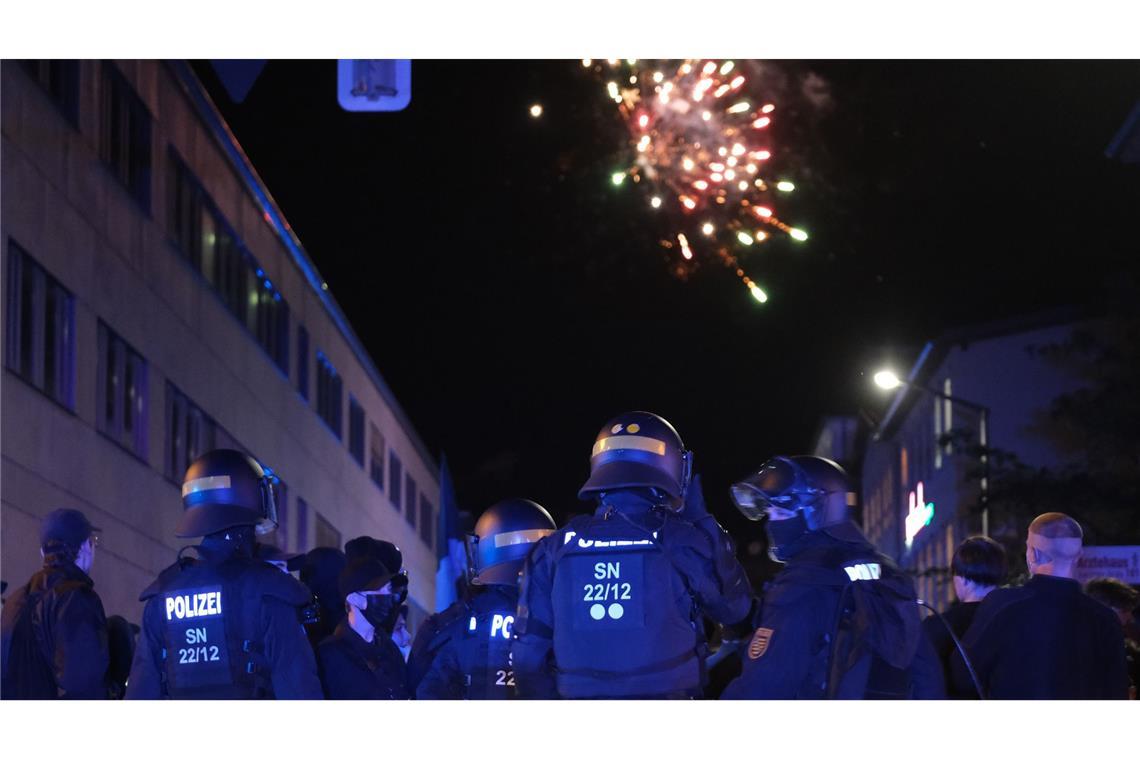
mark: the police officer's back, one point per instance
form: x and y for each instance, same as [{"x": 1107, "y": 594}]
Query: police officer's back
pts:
[
  {"x": 464, "y": 651},
  {"x": 612, "y": 602},
  {"x": 839, "y": 621},
  {"x": 224, "y": 625}
]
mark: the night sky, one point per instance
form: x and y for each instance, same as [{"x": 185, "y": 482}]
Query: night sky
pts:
[{"x": 514, "y": 299}]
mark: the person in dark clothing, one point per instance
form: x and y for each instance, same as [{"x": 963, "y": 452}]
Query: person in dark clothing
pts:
[
  {"x": 121, "y": 636},
  {"x": 978, "y": 567},
  {"x": 320, "y": 571},
  {"x": 611, "y": 604},
  {"x": 1121, "y": 598},
  {"x": 840, "y": 621},
  {"x": 225, "y": 625},
  {"x": 53, "y": 629},
  {"x": 1046, "y": 639},
  {"x": 360, "y": 660},
  {"x": 464, "y": 651}
]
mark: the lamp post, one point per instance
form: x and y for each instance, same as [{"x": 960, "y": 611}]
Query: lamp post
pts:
[{"x": 888, "y": 380}]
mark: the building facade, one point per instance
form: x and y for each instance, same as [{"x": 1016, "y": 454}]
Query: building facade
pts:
[
  {"x": 157, "y": 305},
  {"x": 919, "y": 499}
]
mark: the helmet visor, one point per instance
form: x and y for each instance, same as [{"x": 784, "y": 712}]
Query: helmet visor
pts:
[
  {"x": 268, "y": 521},
  {"x": 772, "y": 486}
]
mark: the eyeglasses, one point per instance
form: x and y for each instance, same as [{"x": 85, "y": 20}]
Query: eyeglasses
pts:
[{"x": 94, "y": 539}]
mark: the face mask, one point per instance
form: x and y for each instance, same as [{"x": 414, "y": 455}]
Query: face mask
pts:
[
  {"x": 781, "y": 534},
  {"x": 382, "y": 611}
]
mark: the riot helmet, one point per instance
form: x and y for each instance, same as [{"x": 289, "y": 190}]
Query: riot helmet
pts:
[
  {"x": 817, "y": 488},
  {"x": 639, "y": 450},
  {"x": 503, "y": 536},
  {"x": 225, "y": 489}
]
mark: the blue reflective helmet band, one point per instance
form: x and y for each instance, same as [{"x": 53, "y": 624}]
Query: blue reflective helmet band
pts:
[
  {"x": 210, "y": 483},
  {"x": 514, "y": 537}
]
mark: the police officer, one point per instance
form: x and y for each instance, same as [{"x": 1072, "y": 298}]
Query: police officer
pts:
[
  {"x": 839, "y": 620},
  {"x": 611, "y": 604},
  {"x": 464, "y": 651},
  {"x": 224, "y": 625}
]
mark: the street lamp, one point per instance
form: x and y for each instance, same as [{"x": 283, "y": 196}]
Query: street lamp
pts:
[{"x": 888, "y": 380}]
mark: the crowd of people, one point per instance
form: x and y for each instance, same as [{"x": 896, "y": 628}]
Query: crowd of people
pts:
[{"x": 638, "y": 599}]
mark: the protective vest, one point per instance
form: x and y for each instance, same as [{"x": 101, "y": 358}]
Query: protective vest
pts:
[
  {"x": 484, "y": 649},
  {"x": 872, "y": 636},
  {"x": 625, "y": 622},
  {"x": 208, "y": 618}
]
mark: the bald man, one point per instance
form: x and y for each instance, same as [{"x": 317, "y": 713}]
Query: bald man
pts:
[{"x": 1046, "y": 639}]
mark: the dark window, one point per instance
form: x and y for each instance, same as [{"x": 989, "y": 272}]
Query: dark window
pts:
[
  {"x": 283, "y": 519},
  {"x": 205, "y": 240},
  {"x": 410, "y": 500},
  {"x": 327, "y": 535},
  {"x": 125, "y": 144},
  {"x": 303, "y": 362},
  {"x": 302, "y": 525},
  {"x": 281, "y": 498},
  {"x": 40, "y": 328},
  {"x": 356, "y": 430},
  {"x": 329, "y": 399},
  {"x": 60, "y": 80},
  {"x": 427, "y": 522},
  {"x": 395, "y": 479},
  {"x": 122, "y": 392},
  {"x": 376, "y": 460},
  {"x": 190, "y": 432}
]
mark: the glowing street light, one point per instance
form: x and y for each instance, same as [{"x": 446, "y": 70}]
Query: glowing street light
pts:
[{"x": 887, "y": 380}]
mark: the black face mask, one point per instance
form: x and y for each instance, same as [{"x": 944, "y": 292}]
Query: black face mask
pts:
[
  {"x": 782, "y": 533},
  {"x": 382, "y": 611}
]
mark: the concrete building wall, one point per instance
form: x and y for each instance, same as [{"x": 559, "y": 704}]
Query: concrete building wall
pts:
[{"x": 62, "y": 205}]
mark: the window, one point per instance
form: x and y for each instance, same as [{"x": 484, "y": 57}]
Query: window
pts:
[
  {"x": 327, "y": 535},
  {"x": 937, "y": 433},
  {"x": 356, "y": 430},
  {"x": 328, "y": 394},
  {"x": 302, "y": 525},
  {"x": 40, "y": 328},
  {"x": 281, "y": 499},
  {"x": 427, "y": 522},
  {"x": 410, "y": 500},
  {"x": 283, "y": 518},
  {"x": 190, "y": 432},
  {"x": 122, "y": 392},
  {"x": 947, "y": 412},
  {"x": 60, "y": 80},
  {"x": 125, "y": 144},
  {"x": 376, "y": 458},
  {"x": 395, "y": 479},
  {"x": 303, "y": 362},
  {"x": 205, "y": 240}
]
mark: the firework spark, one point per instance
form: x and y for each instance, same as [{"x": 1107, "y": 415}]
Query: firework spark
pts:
[{"x": 699, "y": 139}]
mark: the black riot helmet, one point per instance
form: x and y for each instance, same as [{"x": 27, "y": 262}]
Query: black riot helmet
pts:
[
  {"x": 225, "y": 489},
  {"x": 504, "y": 534},
  {"x": 639, "y": 450},
  {"x": 816, "y": 487}
]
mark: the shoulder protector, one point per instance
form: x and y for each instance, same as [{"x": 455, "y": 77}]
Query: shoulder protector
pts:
[
  {"x": 269, "y": 581},
  {"x": 166, "y": 577}
]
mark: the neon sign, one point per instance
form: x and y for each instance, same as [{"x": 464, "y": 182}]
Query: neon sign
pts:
[{"x": 919, "y": 514}]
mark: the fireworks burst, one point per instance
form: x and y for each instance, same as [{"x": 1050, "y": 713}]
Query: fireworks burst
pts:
[{"x": 699, "y": 139}]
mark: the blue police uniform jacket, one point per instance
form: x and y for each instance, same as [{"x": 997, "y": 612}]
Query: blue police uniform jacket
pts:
[
  {"x": 838, "y": 621},
  {"x": 469, "y": 657},
  {"x": 611, "y": 605},
  {"x": 1044, "y": 640},
  {"x": 225, "y": 626}
]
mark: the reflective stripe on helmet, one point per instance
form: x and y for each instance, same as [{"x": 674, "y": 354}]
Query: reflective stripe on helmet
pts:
[
  {"x": 513, "y": 537},
  {"x": 639, "y": 442},
  {"x": 211, "y": 483}
]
